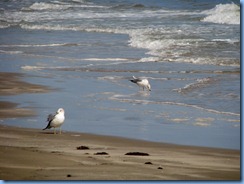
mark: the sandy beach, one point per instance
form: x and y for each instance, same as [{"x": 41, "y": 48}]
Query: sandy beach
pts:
[{"x": 30, "y": 154}]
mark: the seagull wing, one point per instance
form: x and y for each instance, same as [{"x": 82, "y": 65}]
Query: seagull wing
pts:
[
  {"x": 135, "y": 80},
  {"x": 49, "y": 119}
]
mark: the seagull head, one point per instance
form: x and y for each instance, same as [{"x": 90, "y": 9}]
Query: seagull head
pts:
[
  {"x": 60, "y": 111},
  {"x": 149, "y": 87}
]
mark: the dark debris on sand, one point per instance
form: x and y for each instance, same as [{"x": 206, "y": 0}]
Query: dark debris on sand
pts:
[
  {"x": 137, "y": 154},
  {"x": 101, "y": 153},
  {"x": 82, "y": 148}
]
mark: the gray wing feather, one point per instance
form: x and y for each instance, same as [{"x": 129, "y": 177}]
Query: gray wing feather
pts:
[
  {"x": 49, "y": 119},
  {"x": 136, "y": 80}
]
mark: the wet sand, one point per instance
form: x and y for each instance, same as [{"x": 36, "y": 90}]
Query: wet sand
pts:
[
  {"x": 31, "y": 154},
  {"x": 12, "y": 84}
]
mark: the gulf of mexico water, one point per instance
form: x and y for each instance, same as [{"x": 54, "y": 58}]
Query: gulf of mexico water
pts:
[{"x": 87, "y": 50}]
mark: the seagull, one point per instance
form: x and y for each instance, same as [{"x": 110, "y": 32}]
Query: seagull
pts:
[
  {"x": 141, "y": 82},
  {"x": 56, "y": 120}
]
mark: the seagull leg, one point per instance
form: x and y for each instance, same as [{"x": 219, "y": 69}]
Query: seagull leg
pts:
[
  {"x": 60, "y": 130},
  {"x": 54, "y": 131}
]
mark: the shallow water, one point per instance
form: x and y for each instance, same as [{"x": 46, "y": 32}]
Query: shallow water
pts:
[{"x": 90, "y": 50}]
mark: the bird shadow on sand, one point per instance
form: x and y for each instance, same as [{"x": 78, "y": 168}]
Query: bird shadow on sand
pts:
[{"x": 49, "y": 133}]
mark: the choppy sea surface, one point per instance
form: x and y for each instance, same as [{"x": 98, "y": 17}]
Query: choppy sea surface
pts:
[{"x": 87, "y": 50}]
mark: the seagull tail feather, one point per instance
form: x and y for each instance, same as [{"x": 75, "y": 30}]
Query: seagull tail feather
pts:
[{"x": 47, "y": 127}]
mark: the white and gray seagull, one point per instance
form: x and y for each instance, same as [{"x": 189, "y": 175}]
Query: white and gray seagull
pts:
[
  {"x": 141, "y": 82},
  {"x": 56, "y": 120}
]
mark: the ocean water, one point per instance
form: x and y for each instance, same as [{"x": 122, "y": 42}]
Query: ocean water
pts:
[{"x": 87, "y": 50}]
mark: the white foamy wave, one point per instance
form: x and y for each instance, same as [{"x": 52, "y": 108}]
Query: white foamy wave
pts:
[
  {"x": 37, "y": 68},
  {"x": 223, "y": 14},
  {"x": 31, "y": 68},
  {"x": 105, "y": 59},
  {"x": 11, "y": 52},
  {"x": 199, "y": 83},
  {"x": 149, "y": 59},
  {"x": 79, "y": 1},
  {"x": 144, "y": 38},
  {"x": 4, "y": 25},
  {"x": 50, "y": 27},
  {"x": 40, "y": 17},
  {"x": 212, "y": 61},
  {"x": 56, "y": 5},
  {"x": 160, "y": 47},
  {"x": 48, "y": 6},
  {"x": 231, "y": 41}
]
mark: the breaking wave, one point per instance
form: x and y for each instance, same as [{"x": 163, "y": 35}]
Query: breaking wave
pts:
[
  {"x": 177, "y": 43},
  {"x": 223, "y": 14}
]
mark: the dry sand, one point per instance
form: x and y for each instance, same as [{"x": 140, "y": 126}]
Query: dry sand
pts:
[{"x": 30, "y": 154}]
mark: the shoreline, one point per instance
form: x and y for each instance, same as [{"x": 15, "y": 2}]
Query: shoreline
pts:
[
  {"x": 12, "y": 84},
  {"x": 31, "y": 154}
]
